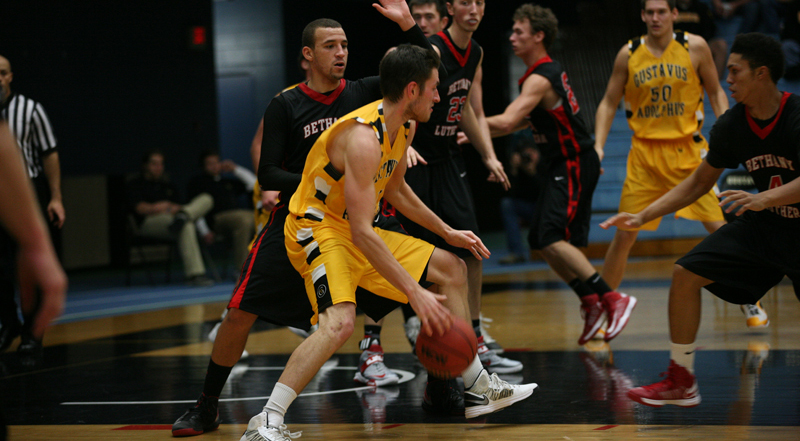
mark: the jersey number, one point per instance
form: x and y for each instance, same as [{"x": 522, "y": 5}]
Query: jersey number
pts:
[
  {"x": 454, "y": 114},
  {"x": 573, "y": 102},
  {"x": 665, "y": 94},
  {"x": 775, "y": 181}
]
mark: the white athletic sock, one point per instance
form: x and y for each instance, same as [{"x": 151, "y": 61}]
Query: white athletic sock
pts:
[
  {"x": 683, "y": 355},
  {"x": 280, "y": 400},
  {"x": 471, "y": 374}
]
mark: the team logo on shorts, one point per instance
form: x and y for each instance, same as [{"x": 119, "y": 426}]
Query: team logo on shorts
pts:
[
  {"x": 320, "y": 278},
  {"x": 321, "y": 291}
]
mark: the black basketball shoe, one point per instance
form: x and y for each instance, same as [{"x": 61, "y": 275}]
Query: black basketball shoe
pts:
[
  {"x": 443, "y": 397},
  {"x": 203, "y": 417}
]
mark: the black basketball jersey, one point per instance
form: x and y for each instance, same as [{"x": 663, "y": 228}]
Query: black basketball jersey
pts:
[
  {"x": 558, "y": 132},
  {"x": 436, "y": 138},
  {"x": 770, "y": 154},
  {"x": 307, "y": 114}
]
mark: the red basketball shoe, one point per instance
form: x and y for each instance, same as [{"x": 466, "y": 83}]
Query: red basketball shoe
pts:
[
  {"x": 618, "y": 306},
  {"x": 592, "y": 313},
  {"x": 679, "y": 388}
]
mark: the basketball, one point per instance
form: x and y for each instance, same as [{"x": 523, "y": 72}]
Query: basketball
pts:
[{"x": 447, "y": 355}]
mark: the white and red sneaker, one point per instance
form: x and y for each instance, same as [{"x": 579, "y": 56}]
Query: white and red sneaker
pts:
[
  {"x": 592, "y": 314},
  {"x": 372, "y": 371},
  {"x": 679, "y": 388},
  {"x": 618, "y": 307}
]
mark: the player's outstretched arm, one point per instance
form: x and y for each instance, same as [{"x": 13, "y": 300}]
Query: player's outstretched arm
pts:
[
  {"x": 37, "y": 265},
  {"x": 623, "y": 220},
  {"x": 513, "y": 118},
  {"x": 396, "y": 11},
  {"x": 608, "y": 105},
  {"x": 683, "y": 194},
  {"x": 477, "y": 129},
  {"x": 360, "y": 154},
  {"x": 402, "y": 197}
]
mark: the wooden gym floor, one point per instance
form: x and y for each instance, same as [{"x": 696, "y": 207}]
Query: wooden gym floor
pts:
[{"x": 129, "y": 377}]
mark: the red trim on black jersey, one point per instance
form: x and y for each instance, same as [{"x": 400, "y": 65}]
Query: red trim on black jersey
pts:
[
  {"x": 763, "y": 133},
  {"x": 322, "y": 98},
  {"x": 539, "y": 62},
  {"x": 573, "y": 165},
  {"x": 563, "y": 120},
  {"x": 462, "y": 59},
  {"x": 574, "y": 196},
  {"x": 238, "y": 292}
]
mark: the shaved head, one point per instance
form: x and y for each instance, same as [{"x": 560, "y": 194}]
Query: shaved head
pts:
[{"x": 5, "y": 78}]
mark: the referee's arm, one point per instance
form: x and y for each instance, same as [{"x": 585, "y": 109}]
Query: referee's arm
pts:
[{"x": 45, "y": 141}]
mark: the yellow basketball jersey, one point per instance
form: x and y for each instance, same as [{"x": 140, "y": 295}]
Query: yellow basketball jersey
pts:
[
  {"x": 663, "y": 96},
  {"x": 320, "y": 196}
]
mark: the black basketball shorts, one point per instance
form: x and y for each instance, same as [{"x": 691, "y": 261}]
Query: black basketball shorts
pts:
[
  {"x": 564, "y": 208},
  {"x": 746, "y": 258},
  {"x": 443, "y": 187}
]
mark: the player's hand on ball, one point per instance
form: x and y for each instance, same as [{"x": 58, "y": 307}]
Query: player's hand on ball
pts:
[
  {"x": 622, "y": 220},
  {"x": 435, "y": 319}
]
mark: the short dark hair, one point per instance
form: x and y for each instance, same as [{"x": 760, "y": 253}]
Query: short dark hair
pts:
[
  {"x": 540, "y": 19},
  {"x": 760, "y": 50},
  {"x": 672, "y": 4},
  {"x": 310, "y": 31},
  {"x": 440, "y": 6},
  {"x": 205, "y": 153},
  {"x": 149, "y": 153},
  {"x": 403, "y": 65}
]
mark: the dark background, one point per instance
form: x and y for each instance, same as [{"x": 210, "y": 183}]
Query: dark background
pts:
[{"x": 118, "y": 78}]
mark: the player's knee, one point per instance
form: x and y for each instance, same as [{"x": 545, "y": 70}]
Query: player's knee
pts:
[
  {"x": 239, "y": 320},
  {"x": 683, "y": 278},
  {"x": 338, "y": 328},
  {"x": 456, "y": 271}
]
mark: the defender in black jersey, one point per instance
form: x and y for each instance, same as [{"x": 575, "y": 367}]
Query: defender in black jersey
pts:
[
  {"x": 440, "y": 181},
  {"x": 266, "y": 287},
  {"x": 744, "y": 259},
  {"x": 548, "y": 106}
]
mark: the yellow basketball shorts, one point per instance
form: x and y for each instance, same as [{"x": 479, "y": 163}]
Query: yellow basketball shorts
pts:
[
  {"x": 333, "y": 267},
  {"x": 656, "y": 167}
]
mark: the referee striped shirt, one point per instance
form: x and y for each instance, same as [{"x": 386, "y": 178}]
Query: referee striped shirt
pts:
[{"x": 29, "y": 123}]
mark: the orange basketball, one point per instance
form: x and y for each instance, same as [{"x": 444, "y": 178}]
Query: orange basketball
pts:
[{"x": 448, "y": 355}]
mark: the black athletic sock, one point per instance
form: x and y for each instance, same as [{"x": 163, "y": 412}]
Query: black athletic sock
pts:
[
  {"x": 432, "y": 378},
  {"x": 372, "y": 332},
  {"x": 598, "y": 285},
  {"x": 476, "y": 325},
  {"x": 216, "y": 377},
  {"x": 580, "y": 288},
  {"x": 408, "y": 312}
]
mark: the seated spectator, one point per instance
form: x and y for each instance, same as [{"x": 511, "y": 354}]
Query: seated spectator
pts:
[
  {"x": 518, "y": 207},
  {"x": 734, "y": 17},
  {"x": 696, "y": 17},
  {"x": 227, "y": 218},
  {"x": 763, "y": 16},
  {"x": 154, "y": 201},
  {"x": 791, "y": 40}
]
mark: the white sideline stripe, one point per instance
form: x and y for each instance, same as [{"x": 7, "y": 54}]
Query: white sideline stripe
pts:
[{"x": 405, "y": 376}]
